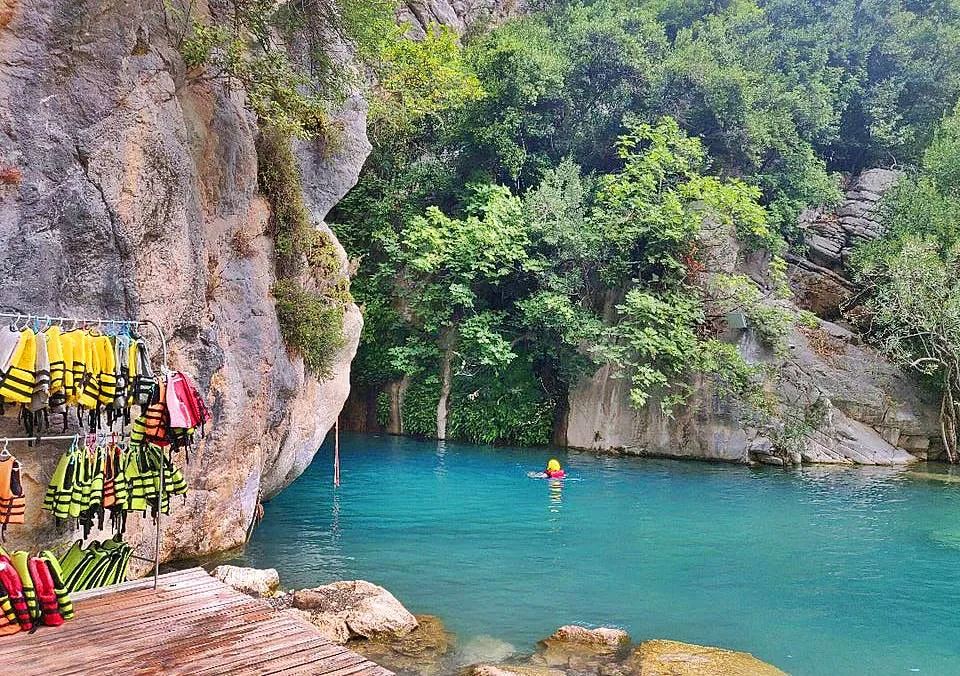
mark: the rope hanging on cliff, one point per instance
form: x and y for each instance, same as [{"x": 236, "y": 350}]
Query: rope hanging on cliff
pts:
[{"x": 336, "y": 452}]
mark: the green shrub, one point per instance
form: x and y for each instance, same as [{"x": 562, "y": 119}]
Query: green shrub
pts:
[
  {"x": 502, "y": 408},
  {"x": 309, "y": 324},
  {"x": 419, "y": 409}
]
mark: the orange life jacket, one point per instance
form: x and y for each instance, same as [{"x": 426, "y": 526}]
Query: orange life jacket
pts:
[{"x": 12, "y": 503}]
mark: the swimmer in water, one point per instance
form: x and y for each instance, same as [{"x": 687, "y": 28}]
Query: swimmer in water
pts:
[{"x": 554, "y": 471}]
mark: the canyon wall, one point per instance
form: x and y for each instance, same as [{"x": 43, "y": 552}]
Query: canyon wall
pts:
[
  {"x": 839, "y": 400},
  {"x": 134, "y": 195}
]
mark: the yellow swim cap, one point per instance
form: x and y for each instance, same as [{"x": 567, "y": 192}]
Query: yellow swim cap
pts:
[{"x": 554, "y": 465}]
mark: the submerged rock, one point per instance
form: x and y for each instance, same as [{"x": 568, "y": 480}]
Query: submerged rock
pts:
[
  {"x": 580, "y": 649},
  {"x": 422, "y": 651},
  {"x": 673, "y": 658},
  {"x": 367, "y": 610},
  {"x": 253, "y": 581},
  {"x": 510, "y": 670},
  {"x": 485, "y": 649}
]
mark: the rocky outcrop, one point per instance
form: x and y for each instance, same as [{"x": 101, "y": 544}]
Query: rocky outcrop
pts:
[
  {"x": 362, "y": 608},
  {"x": 456, "y": 14},
  {"x": 839, "y": 402},
  {"x": 673, "y": 658},
  {"x": 603, "y": 638},
  {"x": 831, "y": 234},
  {"x": 650, "y": 658},
  {"x": 252, "y": 581},
  {"x": 138, "y": 198},
  {"x": 423, "y": 651}
]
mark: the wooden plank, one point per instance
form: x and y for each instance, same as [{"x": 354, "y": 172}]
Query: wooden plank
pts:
[
  {"x": 90, "y": 628},
  {"x": 231, "y": 664},
  {"x": 142, "y": 583},
  {"x": 348, "y": 662},
  {"x": 187, "y": 644},
  {"x": 192, "y": 624}
]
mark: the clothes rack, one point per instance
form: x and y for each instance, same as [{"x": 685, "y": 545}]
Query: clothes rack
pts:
[{"x": 164, "y": 368}]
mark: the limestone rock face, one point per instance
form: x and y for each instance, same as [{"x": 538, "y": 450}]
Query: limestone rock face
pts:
[
  {"x": 853, "y": 406},
  {"x": 456, "y": 14},
  {"x": 139, "y": 198},
  {"x": 832, "y": 234},
  {"x": 369, "y": 611},
  {"x": 252, "y": 581},
  {"x": 672, "y": 658},
  {"x": 862, "y": 410}
]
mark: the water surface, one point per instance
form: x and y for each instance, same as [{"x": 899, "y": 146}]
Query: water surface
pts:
[{"x": 819, "y": 571}]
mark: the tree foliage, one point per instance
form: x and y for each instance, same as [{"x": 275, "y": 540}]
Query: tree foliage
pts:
[
  {"x": 552, "y": 208},
  {"x": 911, "y": 290}
]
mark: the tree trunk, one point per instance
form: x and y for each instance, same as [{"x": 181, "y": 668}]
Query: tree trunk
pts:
[
  {"x": 948, "y": 418},
  {"x": 446, "y": 380},
  {"x": 397, "y": 390}
]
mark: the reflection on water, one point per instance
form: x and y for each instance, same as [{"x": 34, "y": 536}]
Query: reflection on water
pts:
[
  {"x": 440, "y": 469},
  {"x": 556, "y": 495}
]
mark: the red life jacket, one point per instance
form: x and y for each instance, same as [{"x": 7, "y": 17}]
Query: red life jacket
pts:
[
  {"x": 46, "y": 595},
  {"x": 184, "y": 402},
  {"x": 11, "y": 582}
]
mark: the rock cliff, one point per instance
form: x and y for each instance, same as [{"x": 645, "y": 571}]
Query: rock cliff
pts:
[
  {"x": 135, "y": 196},
  {"x": 456, "y": 14},
  {"x": 840, "y": 401}
]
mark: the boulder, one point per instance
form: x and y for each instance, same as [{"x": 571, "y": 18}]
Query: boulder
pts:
[
  {"x": 332, "y": 628},
  {"x": 253, "y": 581},
  {"x": 510, "y": 670},
  {"x": 601, "y": 637},
  {"x": 673, "y": 658},
  {"x": 369, "y": 611},
  {"x": 423, "y": 651}
]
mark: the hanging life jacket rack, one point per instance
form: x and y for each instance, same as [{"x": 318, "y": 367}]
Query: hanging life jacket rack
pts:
[{"x": 49, "y": 320}]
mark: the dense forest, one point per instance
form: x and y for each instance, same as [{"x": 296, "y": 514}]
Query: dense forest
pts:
[
  {"x": 565, "y": 189},
  {"x": 545, "y": 214}
]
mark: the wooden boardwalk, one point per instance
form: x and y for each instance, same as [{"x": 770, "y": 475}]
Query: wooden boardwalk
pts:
[{"x": 191, "y": 624}]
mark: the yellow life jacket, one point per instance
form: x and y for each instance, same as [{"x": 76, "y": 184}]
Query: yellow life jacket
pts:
[
  {"x": 106, "y": 355},
  {"x": 17, "y": 381},
  {"x": 55, "y": 354}
]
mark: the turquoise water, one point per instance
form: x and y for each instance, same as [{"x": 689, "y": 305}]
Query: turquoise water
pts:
[{"x": 819, "y": 571}]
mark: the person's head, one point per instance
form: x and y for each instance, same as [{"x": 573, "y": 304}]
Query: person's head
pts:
[{"x": 553, "y": 465}]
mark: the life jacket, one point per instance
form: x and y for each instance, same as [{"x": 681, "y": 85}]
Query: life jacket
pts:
[
  {"x": 54, "y": 336},
  {"x": 19, "y": 560},
  {"x": 46, "y": 596},
  {"x": 184, "y": 402},
  {"x": 88, "y": 395},
  {"x": 70, "y": 348},
  {"x": 9, "y": 337},
  {"x": 106, "y": 356},
  {"x": 60, "y": 491},
  {"x": 59, "y": 587},
  {"x": 10, "y": 580},
  {"x": 8, "y": 618},
  {"x": 12, "y": 502},
  {"x": 17, "y": 379},
  {"x": 41, "y": 373},
  {"x": 144, "y": 382},
  {"x": 156, "y": 419}
]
